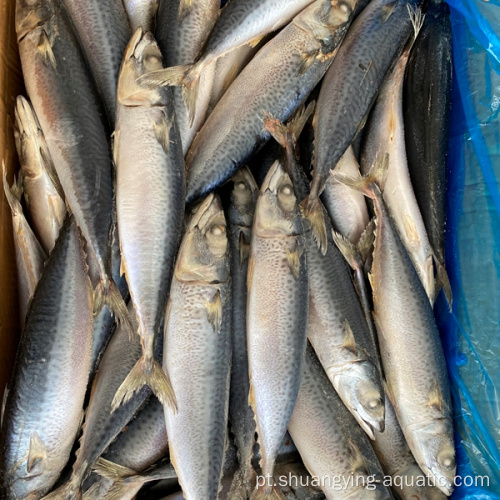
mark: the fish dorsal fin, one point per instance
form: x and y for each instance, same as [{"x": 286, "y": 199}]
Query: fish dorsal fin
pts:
[
  {"x": 348, "y": 341},
  {"x": 436, "y": 397},
  {"x": 37, "y": 452},
  {"x": 293, "y": 259},
  {"x": 244, "y": 248},
  {"x": 214, "y": 311}
]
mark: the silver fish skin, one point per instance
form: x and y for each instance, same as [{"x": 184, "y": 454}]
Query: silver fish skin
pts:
[
  {"x": 30, "y": 256},
  {"x": 44, "y": 407},
  {"x": 182, "y": 29},
  {"x": 241, "y": 22},
  {"x": 336, "y": 329},
  {"x": 150, "y": 206},
  {"x": 385, "y": 134},
  {"x": 42, "y": 190},
  {"x": 277, "y": 311},
  {"x": 240, "y": 217},
  {"x": 142, "y": 443},
  {"x": 101, "y": 426},
  {"x": 67, "y": 105},
  {"x": 141, "y": 13},
  {"x": 330, "y": 442},
  {"x": 104, "y": 30},
  {"x": 346, "y": 207},
  {"x": 197, "y": 352},
  {"x": 397, "y": 461},
  {"x": 410, "y": 346},
  {"x": 277, "y": 80},
  {"x": 351, "y": 84}
]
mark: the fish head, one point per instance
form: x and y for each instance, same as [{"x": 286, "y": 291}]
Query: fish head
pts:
[
  {"x": 363, "y": 395},
  {"x": 32, "y": 13},
  {"x": 277, "y": 212},
  {"x": 142, "y": 56},
  {"x": 326, "y": 20},
  {"x": 243, "y": 198},
  {"x": 432, "y": 446},
  {"x": 204, "y": 253}
]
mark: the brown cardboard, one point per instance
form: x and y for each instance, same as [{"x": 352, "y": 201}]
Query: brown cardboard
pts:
[{"x": 10, "y": 87}]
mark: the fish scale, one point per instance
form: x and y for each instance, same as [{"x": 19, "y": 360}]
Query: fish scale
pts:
[{"x": 49, "y": 383}]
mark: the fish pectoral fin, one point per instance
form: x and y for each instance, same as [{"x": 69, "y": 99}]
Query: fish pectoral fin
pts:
[
  {"x": 214, "y": 311},
  {"x": 356, "y": 459},
  {"x": 436, "y": 397},
  {"x": 45, "y": 49},
  {"x": 348, "y": 340},
  {"x": 293, "y": 259},
  {"x": 307, "y": 60},
  {"x": 162, "y": 132},
  {"x": 244, "y": 248},
  {"x": 37, "y": 453},
  {"x": 185, "y": 7}
]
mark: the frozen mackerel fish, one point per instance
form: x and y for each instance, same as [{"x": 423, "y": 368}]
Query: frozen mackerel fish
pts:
[
  {"x": 277, "y": 310},
  {"x": 197, "y": 352},
  {"x": 149, "y": 204}
]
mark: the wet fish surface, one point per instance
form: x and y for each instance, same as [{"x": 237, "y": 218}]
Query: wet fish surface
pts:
[{"x": 44, "y": 407}]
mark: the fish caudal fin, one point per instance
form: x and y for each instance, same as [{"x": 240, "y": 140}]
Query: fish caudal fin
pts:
[
  {"x": 108, "y": 294},
  {"x": 267, "y": 493},
  {"x": 187, "y": 77},
  {"x": 372, "y": 183},
  {"x": 145, "y": 372},
  {"x": 312, "y": 210}
]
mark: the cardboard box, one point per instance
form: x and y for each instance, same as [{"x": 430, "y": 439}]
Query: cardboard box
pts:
[{"x": 10, "y": 86}]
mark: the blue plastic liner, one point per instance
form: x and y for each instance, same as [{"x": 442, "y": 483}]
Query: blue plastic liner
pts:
[{"x": 471, "y": 333}]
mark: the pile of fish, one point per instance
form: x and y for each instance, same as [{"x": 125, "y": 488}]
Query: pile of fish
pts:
[{"x": 229, "y": 230}]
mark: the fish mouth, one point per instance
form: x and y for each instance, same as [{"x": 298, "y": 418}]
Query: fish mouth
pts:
[
  {"x": 366, "y": 426},
  {"x": 273, "y": 178},
  {"x": 203, "y": 212}
]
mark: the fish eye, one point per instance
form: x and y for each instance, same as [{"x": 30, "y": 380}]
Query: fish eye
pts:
[
  {"x": 447, "y": 460},
  {"x": 218, "y": 230},
  {"x": 344, "y": 7},
  {"x": 286, "y": 190},
  {"x": 241, "y": 186},
  {"x": 152, "y": 61},
  {"x": 374, "y": 404}
]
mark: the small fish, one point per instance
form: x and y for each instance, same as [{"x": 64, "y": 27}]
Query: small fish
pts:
[
  {"x": 42, "y": 189},
  {"x": 277, "y": 311},
  {"x": 63, "y": 95},
  {"x": 150, "y": 206},
  {"x": 182, "y": 29},
  {"x": 141, "y": 13},
  {"x": 30, "y": 256},
  {"x": 330, "y": 442},
  {"x": 104, "y": 30},
  {"x": 426, "y": 111},
  {"x": 198, "y": 352},
  {"x": 44, "y": 407},
  {"x": 234, "y": 130},
  {"x": 398, "y": 462},
  {"x": 410, "y": 346},
  {"x": 241, "y": 22},
  {"x": 351, "y": 84},
  {"x": 241, "y": 417}
]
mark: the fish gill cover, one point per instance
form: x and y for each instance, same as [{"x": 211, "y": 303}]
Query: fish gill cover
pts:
[{"x": 471, "y": 332}]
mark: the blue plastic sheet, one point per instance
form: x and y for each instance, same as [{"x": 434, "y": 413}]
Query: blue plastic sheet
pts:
[{"x": 471, "y": 332}]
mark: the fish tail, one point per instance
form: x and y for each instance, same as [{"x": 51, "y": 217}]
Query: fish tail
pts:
[
  {"x": 145, "y": 372},
  {"x": 122, "y": 478},
  {"x": 185, "y": 7},
  {"x": 187, "y": 77},
  {"x": 443, "y": 282},
  {"x": 312, "y": 210},
  {"x": 71, "y": 490},
  {"x": 372, "y": 183},
  {"x": 267, "y": 493},
  {"x": 108, "y": 294}
]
